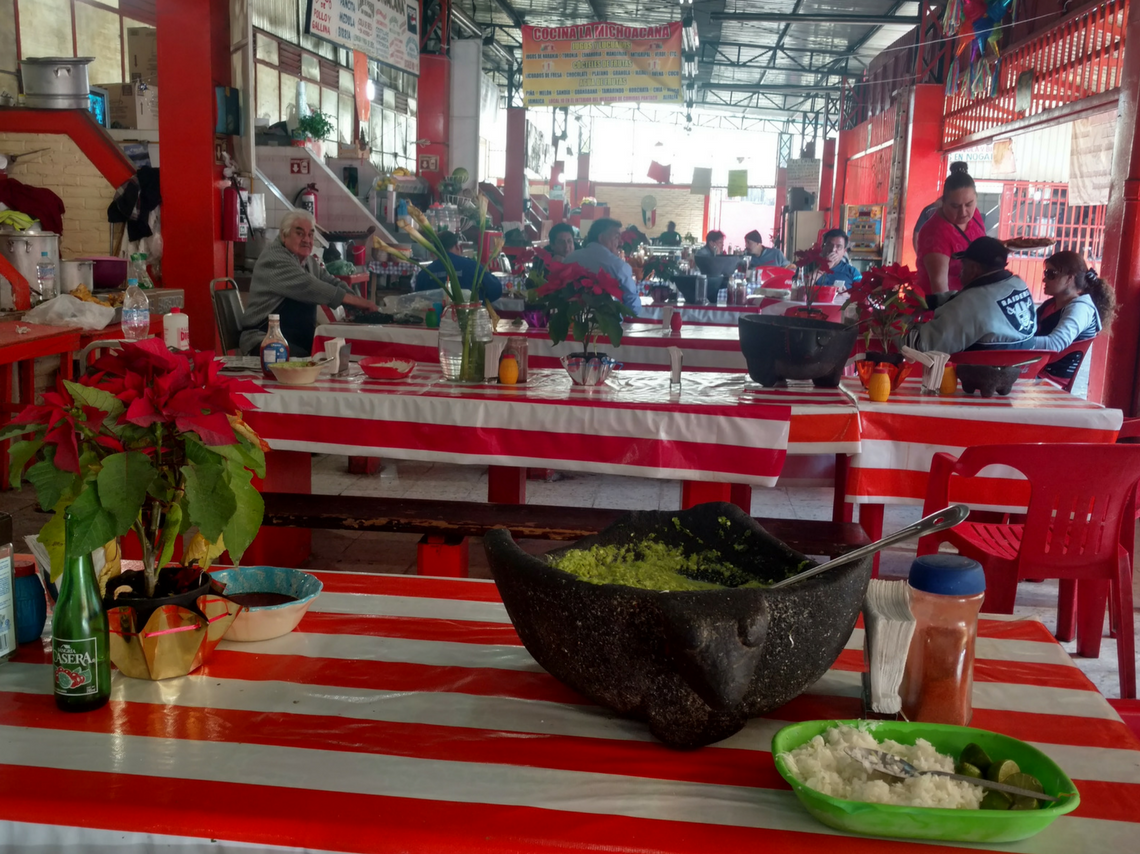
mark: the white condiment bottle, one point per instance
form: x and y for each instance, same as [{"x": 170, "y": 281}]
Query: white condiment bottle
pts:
[{"x": 176, "y": 330}]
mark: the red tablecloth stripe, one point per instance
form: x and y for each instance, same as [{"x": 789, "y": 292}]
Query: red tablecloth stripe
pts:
[
  {"x": 417, "y": 628},
  {"x": 425, "y": 587}
]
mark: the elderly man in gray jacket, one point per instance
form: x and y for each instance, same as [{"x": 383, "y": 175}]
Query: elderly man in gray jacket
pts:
[
  {"x": 290, "y": 282},
  {"x": 994, "y": 309}
]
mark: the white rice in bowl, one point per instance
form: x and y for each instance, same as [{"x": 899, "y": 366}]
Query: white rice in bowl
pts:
[{"x": 823, "y": 764}]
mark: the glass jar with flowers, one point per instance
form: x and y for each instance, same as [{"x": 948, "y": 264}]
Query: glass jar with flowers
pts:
[
  {"x": 885, "y": 306},
  {"x": 811, "y": 264},
  {"x": 465, "y": 327},
  {"x": 584, "y": 303}
]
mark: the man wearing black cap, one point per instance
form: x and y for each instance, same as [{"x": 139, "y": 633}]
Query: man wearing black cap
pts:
[
  {"x": 759, "y": 256},
  {"x": 994, "y": 309}
]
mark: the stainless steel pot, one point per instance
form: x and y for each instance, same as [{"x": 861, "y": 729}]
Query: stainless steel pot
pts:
[
  {"x": 54, "y": 79},
  {"x": 23, "y": 252},
  {"x": 74, "y": 273}
]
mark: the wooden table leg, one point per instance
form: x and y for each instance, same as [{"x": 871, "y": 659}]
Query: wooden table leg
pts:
[
  {"x": 871, "y": 518},
  {"x": 506, "y": 485},
  {"x": 285, "y": 471},
  {"x": 694, "y": 492}
]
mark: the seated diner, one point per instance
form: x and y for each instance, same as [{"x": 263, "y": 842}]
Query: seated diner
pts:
[
  {"x": 434, "y": 275},
  {"x": 289, "y": 281},
  {"x": 760, "y": 255},
  {"x": 1080, "y": 305},
  {"x": 561, "y": 241},
  {"x": 600, "y": 253},
  {"x": 833, "y": 246},
  {"x": 993, "y": 310}
]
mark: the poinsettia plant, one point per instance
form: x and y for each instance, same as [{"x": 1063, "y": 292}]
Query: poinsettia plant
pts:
[
  {"x": 151, "y": 442},
  {"x": 812, "y": 264},
  {"x": 886, "y": 305},
  {"x": 589, "y": 304},
  {"x": 661, "y": 267}
]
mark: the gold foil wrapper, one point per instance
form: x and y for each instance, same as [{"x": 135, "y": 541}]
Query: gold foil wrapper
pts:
[{"x": 175, "y": 640}]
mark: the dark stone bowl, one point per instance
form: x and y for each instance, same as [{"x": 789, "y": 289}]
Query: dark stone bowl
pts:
[
  {"x": 988, "y": 379},
  {"x": 795, "y": 348},
  {"x": 694, "y": 664}
]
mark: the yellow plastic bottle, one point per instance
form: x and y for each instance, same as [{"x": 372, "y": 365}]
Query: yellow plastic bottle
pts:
[
  {"x": 949, "y": 383},
  {"x": 879, "y": 388},
  {"x": 508, "y": 369}
]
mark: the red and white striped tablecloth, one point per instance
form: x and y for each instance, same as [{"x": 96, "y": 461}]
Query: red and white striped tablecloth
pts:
[
  {"x": 404, "y": 716},
  {"x": 713, "y": 428},
  {"x": 643, "y": 347},
  {"x": 729, "y": 315},
  {"x": 902, "y": 435}
]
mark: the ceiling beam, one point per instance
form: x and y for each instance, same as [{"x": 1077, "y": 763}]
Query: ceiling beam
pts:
[
  {"x": 510, "y": 12},
  {"x": 790, "y": 69},
  {"x": 768, "y": 87},
  {"x": 814, "y": 18},
  {"x": 820, "y": 51},
  {"x": 596, "y": 8}
]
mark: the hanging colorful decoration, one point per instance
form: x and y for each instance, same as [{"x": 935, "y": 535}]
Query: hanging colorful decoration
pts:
[{"x": 977, "y": 25}]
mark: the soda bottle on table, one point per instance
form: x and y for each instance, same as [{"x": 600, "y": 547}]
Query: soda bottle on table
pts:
[
  {"x": 139, "y": 271},
  {"x": 136, "y": 312},
  {"x": 80, "y": 651},
  {"x": 45, "y": 278},
  {"x": 274, "y": 347}
]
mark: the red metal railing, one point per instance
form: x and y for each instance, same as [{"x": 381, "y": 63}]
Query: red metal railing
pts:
[
  {"x": 1081, "y": 57},
  {"x": 1031, "y": 209}
]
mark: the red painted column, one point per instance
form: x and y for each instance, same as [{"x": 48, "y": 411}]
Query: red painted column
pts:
[
  {"x": 1114, "y": 380},
  {"x": 839, "y": 197},
  {"x": 924, "y": 166},
  {"x": 827, "y": 178},
  {"x": 193, "y": 58},
  {"x": 516, "y": 165},
  {"x": 433, "y": 116},
  {"x": 781, "y": 203}
]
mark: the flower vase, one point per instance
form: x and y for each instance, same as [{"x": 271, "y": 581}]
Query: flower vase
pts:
[
  {"x": 464, "y": 332},
  {"x": 898, "y": 368}
]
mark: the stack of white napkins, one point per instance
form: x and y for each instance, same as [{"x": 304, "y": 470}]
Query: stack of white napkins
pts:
[
  {"x": 888, "y": 628},
  {"x": 933, "y": 365}
]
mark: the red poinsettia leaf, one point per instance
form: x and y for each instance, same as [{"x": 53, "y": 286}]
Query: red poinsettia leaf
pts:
[
  {"x": 142, "y": 412},
  {"x": 33, "y": 414},
  {"x": 109, "y": 442},
  {"x": 212, "y": 429},
  {"x": 66, "y": 447}
]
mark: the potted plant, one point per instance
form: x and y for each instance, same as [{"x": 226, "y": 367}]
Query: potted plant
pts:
[
  {"x": 311, "y": 129},
  {"x": 152, "y": 443},
  {"x": 465, "y": 328},
  {"x": 664, "y": 270},
  {"x": 587, "y": 304},
  {"x": 884, "y": 305},
  {"x": 811, "y": 264}
]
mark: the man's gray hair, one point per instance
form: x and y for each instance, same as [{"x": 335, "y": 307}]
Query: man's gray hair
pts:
[{"x": 295, "y": 216}]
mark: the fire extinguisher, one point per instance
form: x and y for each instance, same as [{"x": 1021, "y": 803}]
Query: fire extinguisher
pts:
[
  {"x": 307, "y": 199},
  {"x": 235, "y": 214}
]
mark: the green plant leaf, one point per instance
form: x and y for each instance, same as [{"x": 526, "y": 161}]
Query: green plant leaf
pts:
[
  {"x": 244, "y": 454},
  {"x": 123, "y": 482},
  {"x": 559, "y": 327},
  {"x": 92, "y": 525},
  {"x": 209, "y": 500},
  {"x": 171, "y": 529},
  {"x": 18, "y": 456},
  {"x": 51, "y": 483},
  {"x": 51, "y": 538},
  {"x": 246, "y": 519},
  {"x": 610, "y": 327},
  {"x": 199, "y": 454},
  {"x": 11, "y": 431},
  {"x": 102, "y": 400}
]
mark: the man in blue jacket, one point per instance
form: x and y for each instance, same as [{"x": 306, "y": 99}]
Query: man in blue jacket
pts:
[{"x": 466, "y": 268}]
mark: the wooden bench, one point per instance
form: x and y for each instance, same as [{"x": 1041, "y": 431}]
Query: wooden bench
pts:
[{"x": 445, "y": 525}]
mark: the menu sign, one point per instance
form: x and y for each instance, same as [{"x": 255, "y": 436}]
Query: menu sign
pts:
[
  {"x": 386, "y": 30},
  {"x": 601, "y": 63}
]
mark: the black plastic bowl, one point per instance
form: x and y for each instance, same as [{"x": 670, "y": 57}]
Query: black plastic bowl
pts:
[
  {"x": 694, "y": 664},
  {"x": 795, "y": 348}
]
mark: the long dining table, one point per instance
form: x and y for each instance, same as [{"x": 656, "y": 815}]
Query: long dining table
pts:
[{"x": 404, "y": 715}]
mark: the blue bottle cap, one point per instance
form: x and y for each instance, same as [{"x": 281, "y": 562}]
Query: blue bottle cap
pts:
[{"x": 947, "y": 575}]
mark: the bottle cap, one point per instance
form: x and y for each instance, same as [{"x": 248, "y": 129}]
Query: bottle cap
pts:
[
  {"x": 43, "y": 254},
  {"x": 881, "y": 369},
  {"x": 947, "y": 575},
  {"x": 274, "y": 317},
  {"x": 132, "y": 282},
  {"x": 24, "y": 568},
  {"x": 176, "y": 310},
  {"x": 5, "y": 528}
]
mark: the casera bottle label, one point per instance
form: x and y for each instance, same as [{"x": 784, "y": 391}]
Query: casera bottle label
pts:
[{"x": 76, "y": 674}]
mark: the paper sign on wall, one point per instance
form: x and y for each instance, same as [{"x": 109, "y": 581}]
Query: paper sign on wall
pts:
[
  {"x": 737, "y": 183},
  {"x": 702, "y": 181},
  {"x": 386, "y": 30}
]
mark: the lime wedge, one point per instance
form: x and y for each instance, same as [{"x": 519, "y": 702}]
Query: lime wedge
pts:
[
  {"x": 1000, "y": 770},
  {"x": 973, "y": 754},
  {"x": 995, "y": 800},
  {"x": 968, "y": 770}
]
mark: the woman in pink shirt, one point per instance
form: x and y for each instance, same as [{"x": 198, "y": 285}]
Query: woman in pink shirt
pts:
[{"x": 953, "y": 227}]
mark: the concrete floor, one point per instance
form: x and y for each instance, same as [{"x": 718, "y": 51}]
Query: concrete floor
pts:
[{"x": 396, "y": 553}]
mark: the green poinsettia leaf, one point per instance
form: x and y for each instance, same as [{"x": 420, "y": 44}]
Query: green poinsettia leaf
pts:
[
  {"x": 13, "y": 430},
  {"x": 19, "y": 455},
  {"x": 559, "y": 327},
  {"x": 123, "y": 483},
  {"x": 92, "y": 525},
  {"x": 51, "y": 538},
  {"x": 171, "y": 529},
  {"x": 198, "y": 453},
  {"x": 102, "y": 400},
  {"x": 244, "y": 454},
  {"x": 246, "y": 519},
  {"x": 611, "y": 327},
  {"x": 51, "y": 484},
  {"x": 209, "y": 500}
]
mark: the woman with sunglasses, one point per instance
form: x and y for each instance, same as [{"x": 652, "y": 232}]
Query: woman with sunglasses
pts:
[{"x": 1080, "y": 304}]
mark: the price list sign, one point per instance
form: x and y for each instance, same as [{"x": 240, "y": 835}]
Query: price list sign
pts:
[
  {"x": 601, "y": 63},
  {"x": 386, "y": 30}
]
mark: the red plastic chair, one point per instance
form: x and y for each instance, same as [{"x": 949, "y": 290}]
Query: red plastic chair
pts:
[
  {"x": 1038, "y": 359},
  {"x": 1081, "y": 347},
  {"x": 1129, "y": 711},
  {"x": 1081, "y": 496}
]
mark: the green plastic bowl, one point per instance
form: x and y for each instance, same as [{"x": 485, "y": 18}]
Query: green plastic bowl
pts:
[{"x": 946, "y": 825}]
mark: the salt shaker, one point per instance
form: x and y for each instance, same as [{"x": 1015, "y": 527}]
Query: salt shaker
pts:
[{"x": 946, "y": 592}]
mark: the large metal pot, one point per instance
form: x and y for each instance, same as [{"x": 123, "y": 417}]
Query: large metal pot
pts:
[
  {"x": 74, "y": 273},
  {"x": 56, "y": 82},
  {"x": 22, "y": 249}
]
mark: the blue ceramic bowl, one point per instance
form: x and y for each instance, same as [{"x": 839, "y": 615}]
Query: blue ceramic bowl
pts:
[{"x": 263, "y": 622}]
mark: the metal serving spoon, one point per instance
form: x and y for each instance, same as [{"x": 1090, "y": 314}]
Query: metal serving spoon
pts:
[
  {"x": 939, "y": 521},
  {"x": 893, "y": 766}
]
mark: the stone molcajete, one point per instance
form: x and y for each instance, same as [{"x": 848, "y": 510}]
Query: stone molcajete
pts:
[
  {"x": 697, "y": 664},
  {"x": 795, "y": 348}
]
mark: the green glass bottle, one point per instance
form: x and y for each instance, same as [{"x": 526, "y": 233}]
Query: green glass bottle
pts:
[{"x": 79, "y": 641}]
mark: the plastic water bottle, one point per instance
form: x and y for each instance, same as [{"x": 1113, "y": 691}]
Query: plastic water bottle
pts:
[
  {"x": 138, "y": 269},
  {"x": 136, "y": 312},
  {"x": 45, "y": 278}
]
